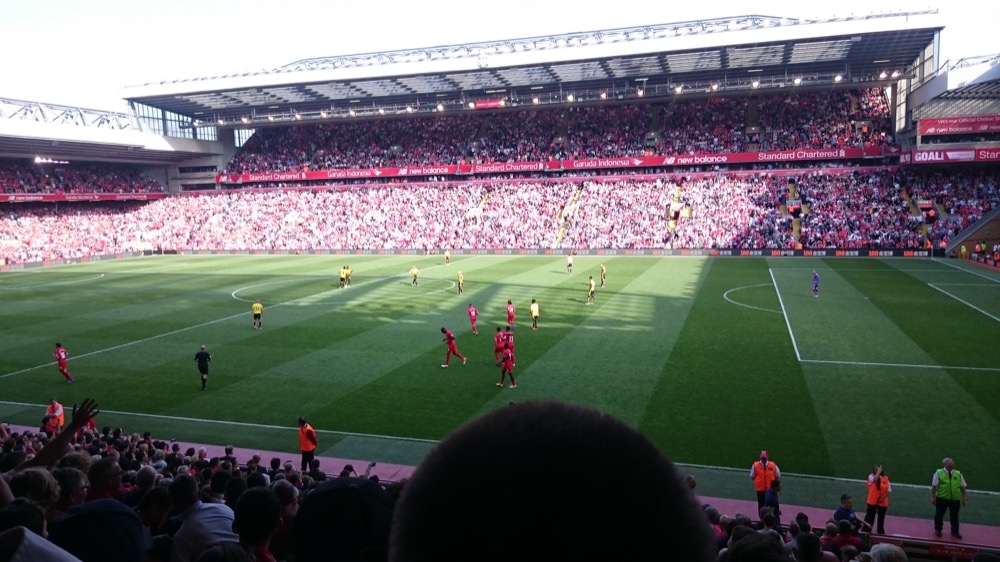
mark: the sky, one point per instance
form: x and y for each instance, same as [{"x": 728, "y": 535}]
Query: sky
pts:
[{"x": 83, "y": 53}]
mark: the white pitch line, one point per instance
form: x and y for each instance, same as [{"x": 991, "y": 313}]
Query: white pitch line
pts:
[
  {"x": 240, "y": 424},
  {"x": 969, "y": 271},
  {"x": 902, "y": 365},
  {"x": 180, "y": 330},
  {"x": 861, "y": 270},
  {"x": 54, "y": 283},
  {"x": 726, "y": 296},
  {"x": 781, "y": 302},
  {"x": 965, "y": 302},
  {"x": 451, "y": 285},
  {"x": 967, "y": 284},
  {"x": 127, "y": 344},
  {"x": 157, "y": 336},
  {"x": 433, "y": 441}
]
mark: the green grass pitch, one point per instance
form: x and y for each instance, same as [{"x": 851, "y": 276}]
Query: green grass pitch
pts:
[{"x": 714, "y": 359}]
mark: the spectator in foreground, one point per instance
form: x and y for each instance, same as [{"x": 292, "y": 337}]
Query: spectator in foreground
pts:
[
  {"x": 885, "y": 552},
  {"x": 548, "y": 496},
  {"x": 257, "y": 517},
  {"x": 343, "y": 519},
  {"x": 204, "y": 524}
]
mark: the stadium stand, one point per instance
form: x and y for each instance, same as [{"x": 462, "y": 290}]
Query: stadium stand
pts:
[
  {"x": 20, "y": 177},
  {"x": 845, "y": 209},
  {"x": 844, "y": 118}
]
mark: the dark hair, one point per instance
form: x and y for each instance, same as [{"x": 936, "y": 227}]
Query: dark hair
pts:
[
  {"x": 23, "y": 512},
  {"x": 808, "y": 547},
  {"x": 803, "y": 520},
  {"x": 256, "y": 480},
  {"x": 235, "y": 487},
  {"x": 768, "y": 519},
  {"x": 256, "y": 515},
  {"x": 218, "y": 481},
  {"x": 522, "y": 451},
  {"x": 757, "y": 547}
]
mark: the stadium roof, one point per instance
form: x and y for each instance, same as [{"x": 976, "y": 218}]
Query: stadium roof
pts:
[
  {"x": 984, "y": 85},
  {"x": 30, "y": 128},
  {"x": 730, "y": 54}
]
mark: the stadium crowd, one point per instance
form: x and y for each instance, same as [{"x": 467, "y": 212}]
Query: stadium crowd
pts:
[
  {"x": 850, "y": 209},
  {"x": 831, "y": 119},
  {"x": 963, "y": 195},
  {"x": 518, "y": 137},
  {"x": 843, "y": 118},
  {"x": 75, "y": 493},
  {"x": 18, "y": 176},
  {"x": 102, "y": 495},
  {"x": 607, "y": 132},
  {"x": 858, "y": 210},
  {"x": 707, "y": 125}
]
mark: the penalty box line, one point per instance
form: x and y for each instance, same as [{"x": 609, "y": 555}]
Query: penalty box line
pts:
[
  {"x": 965, "y": 302},
  {"x": 900, "y": 365},
  {"x": 800, "y": 359}
]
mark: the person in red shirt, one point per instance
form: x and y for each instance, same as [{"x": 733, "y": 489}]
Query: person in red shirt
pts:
[
  {"x": 62, "y": 356},
  {"x": 507, "y": 366},
  {"x": 498, "y": 341},
  {"x": 508, "y": 341},
  {"x": 449, "y": 338},
  {"x": 473, "y": 315},
  {"x": 510, "y": 313}
]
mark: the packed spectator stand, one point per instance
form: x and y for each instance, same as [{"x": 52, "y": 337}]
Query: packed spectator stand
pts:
[
  {"x": 722, "y": 207},
  {"x": 20, "y": 177}
]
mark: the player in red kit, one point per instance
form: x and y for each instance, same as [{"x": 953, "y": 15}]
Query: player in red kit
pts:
[
  {"x": 508, "y": 342},
  {"x": 507, "y": 367},
  {"x": 473, "y": 315},
  {"x": 449, "y": 338},
  {"x": 498, "y": 341},
  {"x": 62, "y": 356},
  {"x": 510, "y": 313}
]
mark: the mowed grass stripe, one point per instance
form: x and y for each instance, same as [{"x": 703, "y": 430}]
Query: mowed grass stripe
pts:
[
  {"x": 609, "y": 355},
  {"x": 941, "y": 326},
  {"x": 418, "y": 388},
  {"x": 842, "y": 324},
  {"x": 733, "y": 386},
  {"x": 868, "y": 413}
]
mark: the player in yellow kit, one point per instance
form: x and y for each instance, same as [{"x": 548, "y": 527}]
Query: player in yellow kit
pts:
[{"x": 257, "y": 310}]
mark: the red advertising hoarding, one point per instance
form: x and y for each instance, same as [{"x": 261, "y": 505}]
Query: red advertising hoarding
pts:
[
  {"x": 951, "y": 155},
  {"x": 564, "y": 165},
  {"x": 61, "y": 197},
  {"x": 959, "y": 125}
]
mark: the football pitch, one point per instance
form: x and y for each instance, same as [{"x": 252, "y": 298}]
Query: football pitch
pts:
[{"x": 714, "y": 359}]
